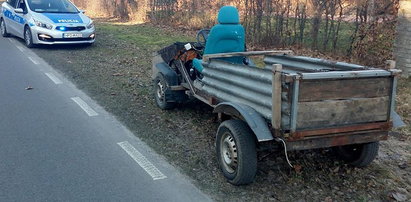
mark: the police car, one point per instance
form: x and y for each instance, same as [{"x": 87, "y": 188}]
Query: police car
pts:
[{"x": 46, "y": 22}]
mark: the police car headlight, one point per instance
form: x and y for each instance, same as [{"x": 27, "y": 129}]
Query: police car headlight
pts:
[
  {"x": 42, "y": 24},
  {"x": 90, "y": 26}
]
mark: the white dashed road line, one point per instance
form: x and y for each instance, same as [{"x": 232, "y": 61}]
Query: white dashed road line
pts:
[
  {"x": 142, "y": 161},
  {"x": 20, "y": 48},
  {"x": 34, "y": 61},
  {"x": 54, "y": 78},
  {"x": 84, "y": 106}
]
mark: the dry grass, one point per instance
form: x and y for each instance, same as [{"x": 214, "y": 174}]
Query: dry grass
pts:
[{"x": 404, "y": 104}]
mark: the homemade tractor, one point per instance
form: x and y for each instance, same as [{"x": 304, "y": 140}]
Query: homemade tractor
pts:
[{"x": 293, "y": 103}]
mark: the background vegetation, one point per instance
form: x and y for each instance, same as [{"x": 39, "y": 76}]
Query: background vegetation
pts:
[{"x": 362, "y": 30}]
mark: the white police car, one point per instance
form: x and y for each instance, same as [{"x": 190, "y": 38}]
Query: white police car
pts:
[{"x": 46, "y": 22}]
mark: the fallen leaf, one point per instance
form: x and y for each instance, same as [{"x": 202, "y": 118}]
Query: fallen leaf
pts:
[
  {"x": 336, "y": 170},
  {"x": 399, "y": 197},
  {"x": 328, "y": 199},
  {"x": 298, "y": 168},
  {"x": 403, "y": 165}
]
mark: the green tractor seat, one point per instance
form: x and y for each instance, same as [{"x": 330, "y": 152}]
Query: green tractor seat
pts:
[{"x": 225, "y": 37}]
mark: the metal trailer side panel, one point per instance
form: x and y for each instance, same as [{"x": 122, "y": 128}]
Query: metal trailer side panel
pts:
[
  {"x": 243, "y": 84},
  {"x": 318, "y": 98}
]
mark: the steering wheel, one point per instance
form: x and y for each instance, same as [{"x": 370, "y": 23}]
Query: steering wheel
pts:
[{"x": 202, "y": 36}]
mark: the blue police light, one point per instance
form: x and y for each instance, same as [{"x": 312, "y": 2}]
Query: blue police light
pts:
[{"x": 62, "y": 28}]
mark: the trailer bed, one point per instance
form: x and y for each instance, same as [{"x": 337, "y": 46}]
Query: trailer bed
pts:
[{"x": 319, "y": 98}]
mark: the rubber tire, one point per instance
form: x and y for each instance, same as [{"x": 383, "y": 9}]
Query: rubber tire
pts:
[
  {"x": 29, "y": 45},
  {"x": 162, "y": 104},
  {"x": 5, "y": 28},
  {"x": 362, "y": 157},
  {"x": 245, "y": 143}
]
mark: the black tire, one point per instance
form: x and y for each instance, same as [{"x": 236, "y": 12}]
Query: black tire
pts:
[
  {"x": 3, "y": 28},
  {"x": 160, "y": 87},
  {"x": 236, "y": 152},
  {"x": 359, "y": 155},
  {"x": 28, "y": 37}
]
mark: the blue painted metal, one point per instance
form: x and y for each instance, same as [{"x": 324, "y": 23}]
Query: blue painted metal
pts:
[
  {"x": 392, "y": 98},
  {"x": 396, "y": 119},
  {"x": 254, "y": 120},
  {"x": 197, "y": 64},
  {"x": 168, "y": 73},
  {"x": 294, "y": 105},
  {"x": 11, "y": 16},
  {"x": 397, "y": 122},
  {"x": 172, "y": 80}
]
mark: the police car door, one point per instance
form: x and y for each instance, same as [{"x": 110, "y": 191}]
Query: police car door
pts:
[
  {"x": 19, "y": 18},
  {"x": 8, "y": 13}
]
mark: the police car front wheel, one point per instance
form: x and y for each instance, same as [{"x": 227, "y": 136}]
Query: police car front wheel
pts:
[
  {"x": 3, "y": 28},
  {"x": 28, "y": 38}
]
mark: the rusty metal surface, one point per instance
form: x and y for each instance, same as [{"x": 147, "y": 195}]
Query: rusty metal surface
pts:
[
  {"x": 383, "y": 126},
  {"x": 337, "y": 140}
]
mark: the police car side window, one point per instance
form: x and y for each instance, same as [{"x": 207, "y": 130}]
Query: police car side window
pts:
[
  {"x": 22, "y": 5},
  {"x": 12, "y": 3}
]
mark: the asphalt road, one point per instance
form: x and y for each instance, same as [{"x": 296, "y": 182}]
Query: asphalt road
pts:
[{"x": 57, "y": 144}]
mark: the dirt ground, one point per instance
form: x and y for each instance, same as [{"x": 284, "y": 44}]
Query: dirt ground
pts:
[{"x": 116, "y": 72}]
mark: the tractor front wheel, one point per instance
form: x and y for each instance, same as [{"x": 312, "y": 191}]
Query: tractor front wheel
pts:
[{"x": 160, "y": 88}]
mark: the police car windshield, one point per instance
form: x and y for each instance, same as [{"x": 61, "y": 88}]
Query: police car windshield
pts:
[{"x": 52, "y": 6}]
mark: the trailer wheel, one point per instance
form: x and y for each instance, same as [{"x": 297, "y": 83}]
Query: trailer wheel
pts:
[
  {"x": 359, "y": 155},
  {"x": 236, "y": 152},
  {"x": 160, "y": 88}
]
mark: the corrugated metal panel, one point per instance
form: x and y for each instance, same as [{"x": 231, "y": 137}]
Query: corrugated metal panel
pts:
[
  {"x": 242, "y": 84},
  {"x": 303, "y": 64}
]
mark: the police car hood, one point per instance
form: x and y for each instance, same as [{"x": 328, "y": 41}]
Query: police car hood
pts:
[{"x": 63, "y": 18}]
